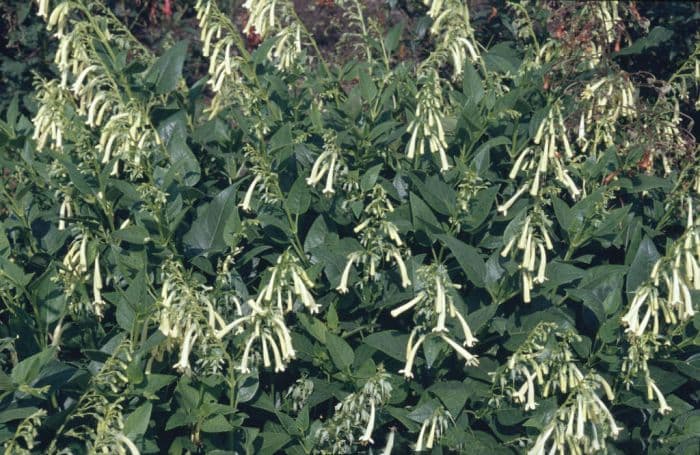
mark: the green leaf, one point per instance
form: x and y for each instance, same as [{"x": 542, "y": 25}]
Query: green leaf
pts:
[
  {"x": 207, "y": 232},
  {"x": 453, "y": 395},
  {"x": 472, "y": 85},
  {"x": 393, "y": 36},
  {"x": 422, "y": 216},
  {"x": 134, "y": 234},
  {"x": 166, "y": 72},
  {"x": 136, "y": 423},
  {"x": 216, "y": 424},
  {"x": 369, "y": 178},
  {"x": 299, "y": 198},
  {"x": 656, "y": 36},
  {"x": 273, "y": 442},
  {"x": 185, "y": 164},
  {"x": 26, "y": 371},
  {"x": 340, "y": 351},
  {"x": 390, "y": 342},
  {"x": 468, "y": 258},
  {"x": 641, "y": 266}
]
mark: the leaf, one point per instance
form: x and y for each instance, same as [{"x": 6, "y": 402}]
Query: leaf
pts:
[
  {"x": 480, "y": 207},
  {"x": 299, "y": 198},
  {"x": 316, "y": 236},
  {"x": 369, "y": 178},
  {"x": 136, "y": 423},
  {"x": 656, "y": 36},
  {"x": 247, "y": 387},
  {"x": 206, "y": 234},
  {"x": 134, "y": 234},
  {"x": 390, "y": 342},
  {"x": 502, "y": 58},
  {"x": 216, "y": 424},
  {"x": 453, "y": 395},
  {"x": 478, "y": 319},
  {"x": 26, "y": 371},
  {"x": 273, "y": 442},
  {"x": 340, "y": 351},
  {"x": 185, "y": 164},
  {"x": 641, "y": 266},
  {"x": 393, "y": 36},
  {"x": 422, "y": 216},
  {"x": 166, "y": 72},
  {"x": 468, "y": 258},
  {"x": 472, "y": 85}
]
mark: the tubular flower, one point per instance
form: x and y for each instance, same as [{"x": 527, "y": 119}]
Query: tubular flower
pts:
[
  {"x": 64, "y": 212},
  {"x": 432, "y": 305},
  {"x": 99, "y": 304},
  {"x": 221, "y": 40}
]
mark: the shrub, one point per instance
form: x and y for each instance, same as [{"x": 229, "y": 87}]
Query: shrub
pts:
[{"x": 485, "y": 247}]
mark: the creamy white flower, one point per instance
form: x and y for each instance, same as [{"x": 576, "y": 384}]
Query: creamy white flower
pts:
[
  {"x": 245, "y": 205},
  {"x": 664, "y": 408},
  {"x": 183, "y": 364},
  {"x": 367, "y": 435}
]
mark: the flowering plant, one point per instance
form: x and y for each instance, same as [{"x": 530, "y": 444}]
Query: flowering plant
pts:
[{"x": 489, "y": 244}]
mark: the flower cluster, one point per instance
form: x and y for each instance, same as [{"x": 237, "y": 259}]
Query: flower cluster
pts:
[
  {"x": 356, "y": 412},
  {"x": 667, "y": 293},
  {"x": 126, "y": 131},
  {"x": 530, "y": 237},
  {"x": 380, "y": 239},
  {"x": 427, "y": 124},
  {"x": 299, "y": 393},
  {"x": 52, "y": 120},
  {"x": 582, "y": 424},
  {"x": 662, "y": 304},
  {"x": 264, "y": 179},
  {"x": 80, "y": 258},
  {"x": 105, "y": 432},
  {"x": 98, "y": 417},
  {"x": 455, "y": 42},
  {"x": 265, "y": 322},
  {"x": 538, "y": 160},
  {"x": 220, "y": 40},
  {"x": 329, "y": 163},
  {"x": 604, "y": 102},
  {"x": 544, "y": 360},
  {"x": 454, "y": 34},
  {"x": 434, "y": 303},
  {"x": 433, "y": 428},
  {"x": 23, "y": 440},
  {"x": 187, "y": 316},
  {"x": 267, "y": 17}
]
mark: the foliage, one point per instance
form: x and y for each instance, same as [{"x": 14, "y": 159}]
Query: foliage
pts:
[{"x": 488, "y": 247}]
